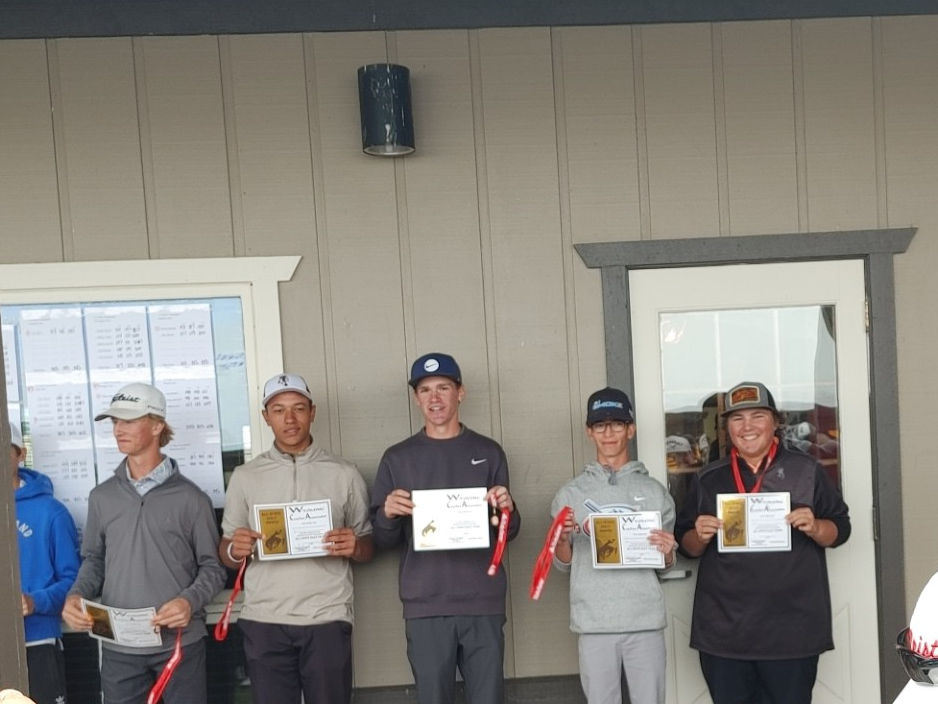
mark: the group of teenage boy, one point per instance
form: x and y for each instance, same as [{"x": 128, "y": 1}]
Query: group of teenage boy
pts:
[{"x": 760, "y": 619}]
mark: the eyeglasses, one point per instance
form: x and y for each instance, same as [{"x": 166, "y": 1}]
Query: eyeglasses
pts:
[
  {"x": 916, "y": 667},
  {"x": 616, "y": 426}
]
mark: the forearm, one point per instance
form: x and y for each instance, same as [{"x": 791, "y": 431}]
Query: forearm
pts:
[
  {"x": 692, "y": 545},
  {"x": 564, "y": 552},
  {"x": 364, "y": 549},
  {"x": 90, "y": 578},
  {"x": 825, "y": 533},
  {"x": 224, "y": 554}
]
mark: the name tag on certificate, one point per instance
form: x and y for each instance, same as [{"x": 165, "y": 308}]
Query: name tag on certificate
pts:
[{"x": 451, "y": 519}]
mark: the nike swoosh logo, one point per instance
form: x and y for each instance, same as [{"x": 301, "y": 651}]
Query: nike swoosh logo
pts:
[{"x": 474, "y": 461}]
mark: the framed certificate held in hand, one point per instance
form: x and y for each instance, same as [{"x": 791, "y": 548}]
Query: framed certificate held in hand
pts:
[
  {"x": 292, "y": 530},
  {"x": 754, "y": 522},
  {"x": 621, "y": 540},
  {"x": 451, "y": 519}
]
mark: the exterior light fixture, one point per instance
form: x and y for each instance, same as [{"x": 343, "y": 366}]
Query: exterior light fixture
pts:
[{"x": 384, "y": 102}]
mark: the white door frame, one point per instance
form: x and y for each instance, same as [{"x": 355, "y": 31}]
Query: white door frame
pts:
[{"x": 876, "y": 248}]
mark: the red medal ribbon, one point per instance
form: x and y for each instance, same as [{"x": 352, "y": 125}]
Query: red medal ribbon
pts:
[
  {"x": 168, "y": 669},
  {"x": 501, "y": 543},
  {"x": 221, "y": 628},
  {"x": 546, "y": 556},
  {"x": 734, "y": 460}
]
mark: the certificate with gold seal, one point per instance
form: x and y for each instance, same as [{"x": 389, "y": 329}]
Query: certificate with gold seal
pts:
[
  {"x": 754, "y": 522},
  {"x": 621, "y": 540},
  {"x": 451, "y": 519},
  {"x": 292, "y": 530}
]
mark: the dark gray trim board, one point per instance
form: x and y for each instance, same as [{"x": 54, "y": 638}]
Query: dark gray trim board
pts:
[
  {"x": 27, "y": 19},
  {"x": 876, "y": 248},
  {"x": 530, "y": 690}
]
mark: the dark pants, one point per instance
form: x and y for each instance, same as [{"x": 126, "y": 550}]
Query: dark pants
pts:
[
  {"x": 284, "y": 661},
  {"x": 436, "y": 646},
  {"x": 126, "y": 678},
  {"x": 733, "y": 681},
  {"x": 46, "y": 666}
]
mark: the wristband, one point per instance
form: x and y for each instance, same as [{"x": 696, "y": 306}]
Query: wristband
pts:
[{"x": 230, "y": 556}]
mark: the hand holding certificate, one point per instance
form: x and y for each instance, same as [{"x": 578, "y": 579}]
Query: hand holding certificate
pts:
[
  {"x": 293, "y": 530},
  {"x": 451, "y": 519},
  {"x": 130, "y": 627},
  {"x": 754, "y": 522}
]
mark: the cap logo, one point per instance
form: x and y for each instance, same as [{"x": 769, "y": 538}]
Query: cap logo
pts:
[
  {"x": 124, "y": 397},
  {"x": 606, "y": 404},
  {"x": 745, "y": 394},
  {"x": 431, "y": 365},
  {"x": 282, "y": 380}
]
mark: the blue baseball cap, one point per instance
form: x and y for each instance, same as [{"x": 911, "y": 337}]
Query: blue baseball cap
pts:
[
  {"x": 435, "y": 364},
  {"x": 608, "y": 404}
]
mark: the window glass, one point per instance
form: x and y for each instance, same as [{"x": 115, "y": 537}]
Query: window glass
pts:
[
  {"x": 704, "y": 353},
  {"x": 64, "y": 362}
]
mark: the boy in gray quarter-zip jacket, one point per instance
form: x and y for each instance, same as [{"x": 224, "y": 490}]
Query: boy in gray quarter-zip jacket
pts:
[
  {"x": 150, "y": 541},
  {"x": 297, "y": 614},
  {"x": 619, "y": 614}
]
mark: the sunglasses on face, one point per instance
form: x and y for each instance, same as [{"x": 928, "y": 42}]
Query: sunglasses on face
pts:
[{"x": 916, "y": 667}]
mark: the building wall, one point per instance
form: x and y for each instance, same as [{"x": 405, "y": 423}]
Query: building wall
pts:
[{"x": 528, "y": 142}]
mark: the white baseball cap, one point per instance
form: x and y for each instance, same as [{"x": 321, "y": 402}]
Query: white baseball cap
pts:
[
  {"x": 675, "y": 443},
  {"x": 135, "y": 401},
  {"x": 923, "y": 635},
  {"x": 281, "y": 383},
  {"x": 16, "y": 435}
]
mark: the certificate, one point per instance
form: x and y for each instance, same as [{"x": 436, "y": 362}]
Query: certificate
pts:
[
  {"x": 621, "y": 540},
  {"x": 130, "y": 627},
  {"x": 754, "y": 522},
  {"x": 451, "y": 519},
  {"x": 292, "y": 530}
]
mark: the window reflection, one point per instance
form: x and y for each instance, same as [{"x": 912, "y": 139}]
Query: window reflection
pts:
[{"x": 703, "y": 353}]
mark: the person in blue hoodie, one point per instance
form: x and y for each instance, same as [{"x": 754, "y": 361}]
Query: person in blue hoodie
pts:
[{"x": 49, "y": 562}]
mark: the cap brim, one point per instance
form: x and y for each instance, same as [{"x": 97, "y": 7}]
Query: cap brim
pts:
[
  {"x": 120, "y": 414},
  {"x": 417, "y": 379},
  {"x": 915, "y": 693},
  {"x": 590, "y": 422},
  {"x": 276, "y": 393},
  {"x": 724, "y": 414}
]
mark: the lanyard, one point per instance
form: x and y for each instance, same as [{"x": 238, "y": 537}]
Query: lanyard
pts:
[
  {"x": 168, "y": 669},
  {"x": 546, "y": 557},
  {"x": 734, "y": 460},
  {"x": 501, "y": 543},
  {"x": 221, "y": 628}
]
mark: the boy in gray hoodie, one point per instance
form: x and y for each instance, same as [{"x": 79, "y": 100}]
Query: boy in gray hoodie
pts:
[{"x": 618, "y": 613}]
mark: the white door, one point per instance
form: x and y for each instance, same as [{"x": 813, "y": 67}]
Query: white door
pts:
[{"x": 800, "y": 328}]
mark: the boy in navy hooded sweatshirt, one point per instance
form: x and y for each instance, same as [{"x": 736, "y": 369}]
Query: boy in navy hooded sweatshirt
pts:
[{"x": 49, "y": 561}]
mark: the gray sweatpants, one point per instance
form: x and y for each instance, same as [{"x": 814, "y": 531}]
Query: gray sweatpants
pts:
[
  {"x": 126, "y": 678},
  {"x": 603, "y": 656}
]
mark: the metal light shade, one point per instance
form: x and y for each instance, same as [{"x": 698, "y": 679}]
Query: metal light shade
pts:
[{"x": 384, "y": 101}]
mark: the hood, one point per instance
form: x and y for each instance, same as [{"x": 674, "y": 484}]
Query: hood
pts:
[
  {"x": 598, "y": 471},
  {"x": 37, "y": 484}
]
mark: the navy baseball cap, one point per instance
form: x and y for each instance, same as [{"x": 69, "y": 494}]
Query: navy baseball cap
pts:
[
  {"x": 435, "y": 364},
  {"x": 608, "y": 404}
]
